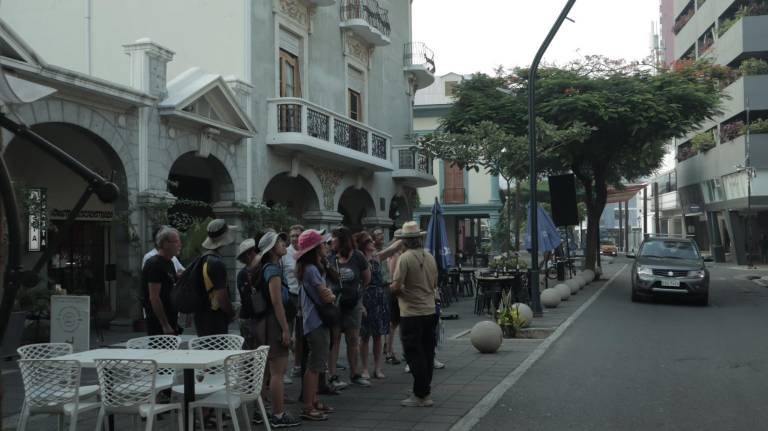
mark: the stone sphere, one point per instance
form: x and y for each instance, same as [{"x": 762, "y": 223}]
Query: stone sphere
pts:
[
  {"x": 574, "y": 285},
  {"x": 589, "y": 275},
  {"x": 580, "y": 279},
  {"x": 486, "y": 336},
  {"x": 550, "y": 298},
  {"x": 564, "y": 290},
  {"x": 525, "y": 313}
]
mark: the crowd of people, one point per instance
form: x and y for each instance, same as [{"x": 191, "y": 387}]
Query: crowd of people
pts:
[{"x": 301, "y": 291}]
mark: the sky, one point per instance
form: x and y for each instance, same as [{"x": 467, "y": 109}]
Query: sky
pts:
[{"x": 478, "y": 35}]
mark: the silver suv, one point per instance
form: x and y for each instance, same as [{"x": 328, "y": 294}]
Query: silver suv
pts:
[{"x": 671, "y": 266}]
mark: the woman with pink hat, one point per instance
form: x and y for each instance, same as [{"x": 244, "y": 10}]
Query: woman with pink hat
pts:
[{"x": 313, "y": 293}]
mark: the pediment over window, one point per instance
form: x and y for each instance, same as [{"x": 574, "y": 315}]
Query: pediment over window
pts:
[{"x": 204, "y": 98}]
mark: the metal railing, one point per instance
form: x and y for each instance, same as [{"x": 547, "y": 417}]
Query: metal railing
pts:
[
  {"x": 369, "y": 11},
  {"x": 418, "y": 54},
  {"x": 294, "y": 115},
  {"x": 408, "y": 159}
]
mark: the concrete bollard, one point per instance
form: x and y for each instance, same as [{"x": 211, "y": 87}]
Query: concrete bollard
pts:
[
  {"x": 550, "y": 298},
  {"x": 486, "y": 336}
]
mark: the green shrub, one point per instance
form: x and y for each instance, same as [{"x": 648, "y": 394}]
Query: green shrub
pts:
[
  {"x": 703, "y": 141},
  {"x": 759, "y": 126},
  {"x": 754, "y": 66}
]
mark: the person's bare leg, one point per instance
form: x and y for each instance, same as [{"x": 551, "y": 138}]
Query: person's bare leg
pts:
[
  {"x": 364, "y": 355},
  {"x": 311, "y": 381},
  {"x": 352, "y": 337},
  {"x": 277, "y": 391},
  {"x": 334, "y": 357},
  {"x": 377, "y": 350}
]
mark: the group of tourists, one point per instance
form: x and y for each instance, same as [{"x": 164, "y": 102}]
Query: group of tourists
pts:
[{"x": 301, "y": 292}]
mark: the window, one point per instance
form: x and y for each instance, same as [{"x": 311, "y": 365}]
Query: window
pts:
[
  {"x": 355, "y": 106},
  {"x": 454, "y": 183},
  {"x": 290, "y": 79},
  {"x": 355, "y": 91},
  {"x": 450, "y": 88}
]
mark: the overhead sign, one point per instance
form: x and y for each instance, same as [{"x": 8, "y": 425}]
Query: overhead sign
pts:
[{"x": 71, "y": 321}]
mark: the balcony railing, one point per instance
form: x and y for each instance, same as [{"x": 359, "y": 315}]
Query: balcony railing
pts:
[
  {"x": 374, "y": 16},
  {"x": 408, "y": 159},
  {"x": 324, "y": 130},
  {"x": 417, "y": 54}
]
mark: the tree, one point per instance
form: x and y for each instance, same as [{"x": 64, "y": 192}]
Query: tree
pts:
[{"x": 609, "y": 120}]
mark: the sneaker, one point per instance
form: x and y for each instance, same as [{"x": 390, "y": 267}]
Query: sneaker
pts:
[
  {"x": 287, "y": 380},
  {"x": 414, "y": 401},
  {"x": 296, "y": 372},
  {"x": 336, "y": 383},
  {"x": 360, "y": 381},
  {"x": 438, "y": 365},
  {"x": 286, "y": 421},
  {"x": 257, "y": 419},
  {"x": 341, "y": 366},
  {"x": 392, "y": 359},
  {"x": 407, "y": 369}
]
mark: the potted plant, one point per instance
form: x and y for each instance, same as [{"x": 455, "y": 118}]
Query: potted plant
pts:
[{"x": 508, "y": 316}]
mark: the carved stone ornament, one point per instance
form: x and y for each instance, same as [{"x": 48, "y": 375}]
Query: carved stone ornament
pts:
[
  {"x": 329, "y": 179},
  {"x": 354, "y": 47},
  {"x": 297, "y": 11}
]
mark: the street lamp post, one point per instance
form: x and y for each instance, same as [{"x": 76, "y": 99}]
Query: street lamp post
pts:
[{"x": 536, "y": 300}]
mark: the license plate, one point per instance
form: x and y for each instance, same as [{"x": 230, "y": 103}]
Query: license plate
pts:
[{"x": 670, "y": 283}]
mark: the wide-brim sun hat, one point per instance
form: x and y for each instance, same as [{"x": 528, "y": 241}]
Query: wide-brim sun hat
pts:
[
  {"x": 245, "y": 246},
  {"x": 219, "y": 234},
  {"x": 410, "y": 229},
  {"x": 309, "y": 240},
  {"x": 269, "y": 239}
]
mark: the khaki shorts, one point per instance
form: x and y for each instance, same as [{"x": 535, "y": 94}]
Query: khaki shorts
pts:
[
  {"x": 267, "y": 332},
  {"x": 319, "y": 343}
]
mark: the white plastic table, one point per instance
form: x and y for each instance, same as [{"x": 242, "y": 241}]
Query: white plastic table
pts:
[{"x": 188, "y": 360}]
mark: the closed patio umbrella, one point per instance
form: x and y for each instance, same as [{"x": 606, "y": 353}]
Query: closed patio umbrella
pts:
[
  {"x": 437, "y": 239},
  {"x": 549, "y": 235}
]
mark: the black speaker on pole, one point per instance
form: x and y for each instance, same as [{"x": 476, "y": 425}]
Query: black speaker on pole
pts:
[{"x": 562, "y": 191}]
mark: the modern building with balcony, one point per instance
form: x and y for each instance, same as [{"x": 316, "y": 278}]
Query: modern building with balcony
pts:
[
  {"x": 722, "y": 168},
  {"x": 470, "y": 200},
  {"x": 303, "y": 103}
]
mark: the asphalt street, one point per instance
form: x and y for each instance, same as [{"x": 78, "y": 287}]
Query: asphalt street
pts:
[{"x": 661, "y": 365}]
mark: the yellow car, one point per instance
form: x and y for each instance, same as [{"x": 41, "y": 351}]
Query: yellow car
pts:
[{"x": 608, "y": 248}]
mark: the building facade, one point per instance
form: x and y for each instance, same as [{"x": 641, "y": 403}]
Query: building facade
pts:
[
  {"x": 470, "y": 200},
  {"x": 722, "y": 168},
  {"x": 303, "y": 103}
]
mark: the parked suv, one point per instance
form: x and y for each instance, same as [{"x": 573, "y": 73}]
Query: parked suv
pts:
[{"x": 671, "y": 266}]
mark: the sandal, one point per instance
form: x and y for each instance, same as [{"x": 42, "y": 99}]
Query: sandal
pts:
[
  {"x": 327, "y": 390},
  {"x": 379, "y": 375},
  {"x": 313, "y": 415},
  {"x": 323, "y": 408}
]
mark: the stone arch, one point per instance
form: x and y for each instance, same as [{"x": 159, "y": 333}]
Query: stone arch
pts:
[
  {"x": 355, "y": 205},
  {"x": 92, "y": 257},
  {"x": 112, "y": 128},
  {"x": 296, "y": 193},
  {"x": 204, "y": 179}
]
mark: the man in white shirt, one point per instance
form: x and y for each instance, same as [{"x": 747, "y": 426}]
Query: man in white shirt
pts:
[
  {"x": 289, "y": 272},
  {"x": 176, "y": 263}
]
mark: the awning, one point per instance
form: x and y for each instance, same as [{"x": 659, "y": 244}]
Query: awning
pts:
[{"x": 626, "y": 193}]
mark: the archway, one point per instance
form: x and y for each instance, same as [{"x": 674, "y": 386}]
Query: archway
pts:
[
  {"x": 355, "y": 205},
  {"x": 294, "y": 193},
  {"x": 202, "y": 179},
  {"x": 90, "y": 256}
]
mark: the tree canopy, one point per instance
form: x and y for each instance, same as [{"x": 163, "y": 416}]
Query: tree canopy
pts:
[{"x": 604, "y": 120}]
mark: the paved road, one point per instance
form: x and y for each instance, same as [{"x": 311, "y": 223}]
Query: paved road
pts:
[{"x": 651, "y": 366}]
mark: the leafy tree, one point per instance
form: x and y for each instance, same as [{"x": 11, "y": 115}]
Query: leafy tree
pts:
[{"x": 604, "y": 120}]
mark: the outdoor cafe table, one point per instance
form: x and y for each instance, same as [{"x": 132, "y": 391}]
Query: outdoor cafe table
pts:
[{"x": 189, "y": 360}]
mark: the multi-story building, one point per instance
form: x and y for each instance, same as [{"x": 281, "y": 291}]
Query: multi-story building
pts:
[
  {"x": 722, "y": 168},
  {"x": 305, "y": 103},
  {"x": 470, "y": 200}
]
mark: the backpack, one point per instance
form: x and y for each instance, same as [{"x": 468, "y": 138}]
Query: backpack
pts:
[
  {"x": 189, "y": 294},
  {"x": 261, "y": 303}
]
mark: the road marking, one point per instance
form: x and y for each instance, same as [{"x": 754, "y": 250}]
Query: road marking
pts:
[
  {"x": 460, "y": 334},
  {"x": 486, "y": 404}
]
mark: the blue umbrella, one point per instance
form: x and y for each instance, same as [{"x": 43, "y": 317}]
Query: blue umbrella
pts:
[
  {"x": 437, "y": 239},
  {"x": 549, "y": 235}
]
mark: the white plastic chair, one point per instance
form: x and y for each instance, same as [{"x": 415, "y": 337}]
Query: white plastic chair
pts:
[
  {"x": 244, "y": 375},
  {"x": 44, "y": 350},
  {"x": 211, "y": 379},
  {"x": 51, "y": 387},
  {"x": 165, "y": 376},
  {"x": 128, "y": 387}
]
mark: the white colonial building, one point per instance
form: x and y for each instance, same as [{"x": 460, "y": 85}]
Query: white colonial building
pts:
[{"x": 306, "y": 103}]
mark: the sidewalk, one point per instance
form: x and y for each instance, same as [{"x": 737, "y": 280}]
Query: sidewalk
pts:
[{"x": 466, "y": 379}]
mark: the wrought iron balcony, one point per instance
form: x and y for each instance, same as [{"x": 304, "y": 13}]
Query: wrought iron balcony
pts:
[
  {"x": 299, "y": 125},
  {"x": 419, "y": 60},
  {"x": 414, "y": 168},
  {"x": 367, "y": 19}
]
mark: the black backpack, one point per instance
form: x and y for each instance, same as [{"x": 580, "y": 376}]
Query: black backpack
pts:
[{"x": 189, "y": 294}]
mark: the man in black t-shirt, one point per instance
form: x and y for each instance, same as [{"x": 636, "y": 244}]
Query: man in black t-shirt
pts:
[
  {"x": 157, "y": 279},
  {"x": 215, "y": 318}
]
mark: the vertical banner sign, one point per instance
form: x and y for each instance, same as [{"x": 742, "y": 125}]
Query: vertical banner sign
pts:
[
  {"x": 38, "y": 219},
  {"x": 71, "y": 321}
]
